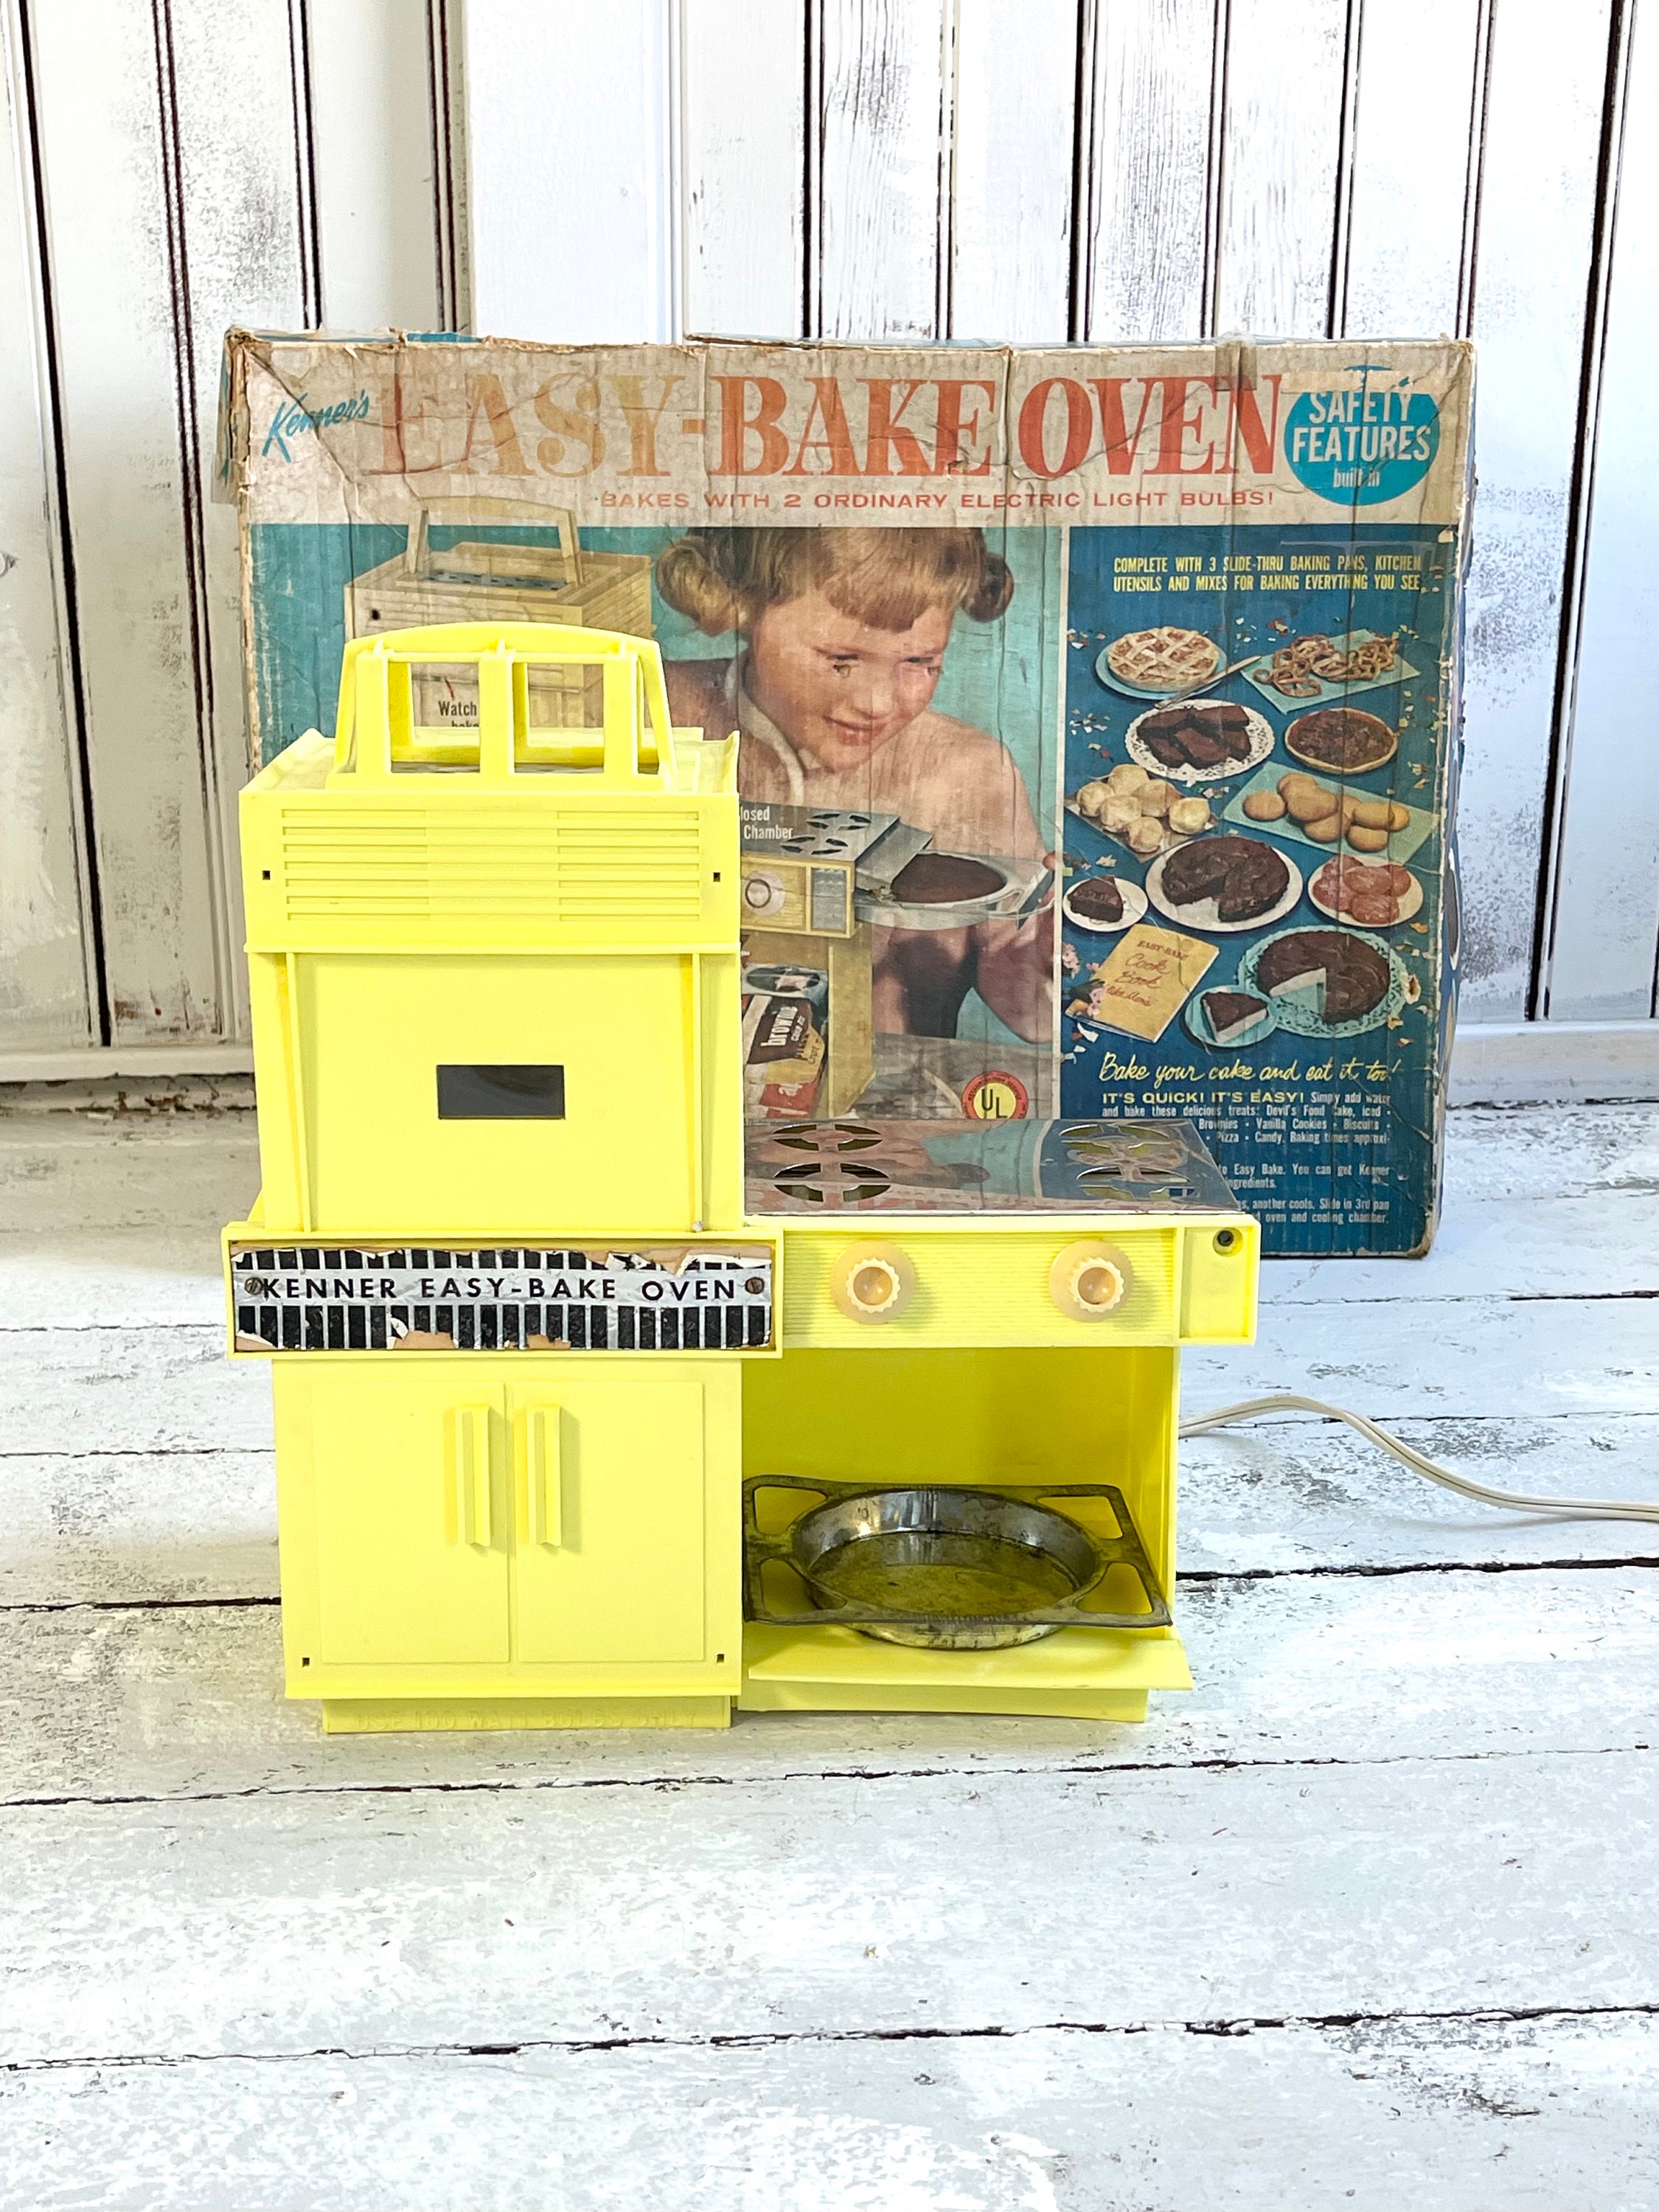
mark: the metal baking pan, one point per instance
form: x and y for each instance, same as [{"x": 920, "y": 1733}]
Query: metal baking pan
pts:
[{"x": 945, "y": 1566}]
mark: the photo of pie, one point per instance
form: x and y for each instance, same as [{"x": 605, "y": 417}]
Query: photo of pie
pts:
[
  {"x": 1342, "y": 740},
  {"x": 1160, "y": 660}
]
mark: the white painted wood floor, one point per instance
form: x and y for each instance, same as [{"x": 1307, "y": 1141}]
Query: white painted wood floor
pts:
[{"x": 1366, "y": 1920}]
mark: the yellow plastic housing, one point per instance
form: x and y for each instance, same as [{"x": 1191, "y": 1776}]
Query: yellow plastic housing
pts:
[
  {"x": 573, "y": 897},
  {"x": 550, "y": 1536}
]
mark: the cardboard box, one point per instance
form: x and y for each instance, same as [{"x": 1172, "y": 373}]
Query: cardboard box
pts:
[{"x": 1152, "y": 653}]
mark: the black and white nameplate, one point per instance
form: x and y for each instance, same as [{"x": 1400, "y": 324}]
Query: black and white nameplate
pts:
[{"x": 600, "y": 1297}]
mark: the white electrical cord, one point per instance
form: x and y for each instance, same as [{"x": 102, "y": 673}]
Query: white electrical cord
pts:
[{"x": 1559, "y": 1509}]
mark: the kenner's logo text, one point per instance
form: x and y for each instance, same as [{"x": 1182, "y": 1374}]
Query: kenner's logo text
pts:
[{"x": 294, "y": 419}]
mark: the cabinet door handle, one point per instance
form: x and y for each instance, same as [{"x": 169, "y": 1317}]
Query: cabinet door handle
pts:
[
  {"x": 539, "y": 1455},
  {"x": 467, "y": 1466}
]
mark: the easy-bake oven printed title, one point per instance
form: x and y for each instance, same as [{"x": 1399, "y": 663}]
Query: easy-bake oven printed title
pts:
[{"x": 798, "y": 437}]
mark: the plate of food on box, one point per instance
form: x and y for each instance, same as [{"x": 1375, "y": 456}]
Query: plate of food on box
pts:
[
  {"x": 1143, "y": 812},
  {"x": 1200, "y": 740},
  {"x": 1325, "y": 983},
  {"x": 1150, "y": 664},
  {"x": 1341, "y": 740},
  {"x": 1224, "y": 883},
  {"x": 1313, "y": 670},
  {"x": 1103, "y": 904},
  {"x": 1304, "y": 806},
  {"x": 1376, "y": 893},
  {"x": 1227, "y": 1017}
]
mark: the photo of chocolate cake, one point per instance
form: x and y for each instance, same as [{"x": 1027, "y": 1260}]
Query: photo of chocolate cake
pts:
[
  {"x": 1230, "y": 1014},
  {"x": 944, "y": 879},
  {"x": 1097, "y": 898},
  {"x": 1244, "y": 878},
  {"x": 1351, "y": 977},
  {"x": 1203, "y": 734}
]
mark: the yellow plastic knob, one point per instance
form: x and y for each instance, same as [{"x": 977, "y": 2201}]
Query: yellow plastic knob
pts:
[
  {"x": 872, "y": 1282},
  {"x": 1088, "y": 1280}
]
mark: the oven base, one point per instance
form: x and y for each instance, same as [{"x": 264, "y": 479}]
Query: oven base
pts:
[
  {"x": 910, "y": 1698},
  {"x": 1082, "y": 1674},
  {"x": 397, "y": 1716}
]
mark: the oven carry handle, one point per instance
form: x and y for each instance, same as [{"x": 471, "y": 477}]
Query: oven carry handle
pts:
[{"x": 516, "y": 513}]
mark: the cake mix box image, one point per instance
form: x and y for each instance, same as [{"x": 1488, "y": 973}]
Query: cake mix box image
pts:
[
  {"x": 786, "y": 1031},
  {"x": 1097, "y": 708}
]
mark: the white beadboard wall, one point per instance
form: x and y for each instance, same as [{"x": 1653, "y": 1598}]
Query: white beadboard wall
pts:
[{"x": 1032, "y": 171}]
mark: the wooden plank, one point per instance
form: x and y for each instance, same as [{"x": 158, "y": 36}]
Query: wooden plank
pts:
[
  {"x": 138, "y": 1389},
  {"x": 1293, "y": 1496},
  {"x": 191, "y": 1169},
  {"x": 161, "y": 163},
  {"x": 1546, "y": 1151},
  {"x": 1596, "y": 1246},
  {"x": 1152, "y": 84},
  {"x": 572, "y": 184},
  {"x": 1282, "y": 141},
  {"x": 743, "y": 138},
  {"x": 879, "y": 156},
  {"x": 45, "y": 989},
  {"x": 137, "y": 1527},
  {"x": 231, "y": 86},
  {"x": 1537, "y": 214},
  {"x": 376, "y": 195},
  {"x": 120, "y": 1219},
  {"x": 829, "y": 1905},
  {"x": 64, "y": 1173},
  {"x": 102, "y": 159},
  {"x": 85, "y": 1527},
  {"x": 1439, "y": 1356},
  {"x": 1602, "y": 1247},
  {"x": 1010, "y": 222},
  {"x": 1603, "y": 962},
  {"x": 1402, "y": 266},
  {"x": 186, "y": 1702},
  {"x": 127, "y": 1390},
  {"x": 1560, "y": 2108}
]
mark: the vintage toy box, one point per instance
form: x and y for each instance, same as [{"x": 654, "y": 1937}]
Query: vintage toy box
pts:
[{"x": 1098, "y": 708}]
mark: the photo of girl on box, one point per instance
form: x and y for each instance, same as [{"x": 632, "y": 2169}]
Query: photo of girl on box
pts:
[{"x": 841, "y": 636}]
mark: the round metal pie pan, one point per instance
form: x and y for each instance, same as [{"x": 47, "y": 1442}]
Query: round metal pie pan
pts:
[{"x": 969, "y": 1559}]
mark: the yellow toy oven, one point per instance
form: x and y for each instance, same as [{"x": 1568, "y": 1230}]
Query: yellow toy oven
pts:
[{"x": 574, "y": 1430}]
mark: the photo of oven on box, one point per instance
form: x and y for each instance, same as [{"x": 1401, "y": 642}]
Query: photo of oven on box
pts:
[{"x": 1097, "y": 709}]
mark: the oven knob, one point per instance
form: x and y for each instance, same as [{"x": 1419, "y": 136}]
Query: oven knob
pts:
[
  {"x": 872, "y": 1282},
  {"x": 1088, "y": 1280}
]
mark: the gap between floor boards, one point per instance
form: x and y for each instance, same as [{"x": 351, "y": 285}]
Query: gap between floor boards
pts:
[
  {"x": 1320, "y": 2023},
  {"x": 669, "y": 1784}
]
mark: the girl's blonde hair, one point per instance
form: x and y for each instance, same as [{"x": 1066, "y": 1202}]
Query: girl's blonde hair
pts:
[{"x": 723, "y": 579}]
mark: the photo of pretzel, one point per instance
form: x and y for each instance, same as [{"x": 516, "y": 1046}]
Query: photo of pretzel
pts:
[{"x": 1298, "y": 669}]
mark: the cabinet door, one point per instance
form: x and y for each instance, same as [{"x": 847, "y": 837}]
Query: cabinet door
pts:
[
  {"x": 412, "y": 1520},
  {"x": 610, "y": 1479}
]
